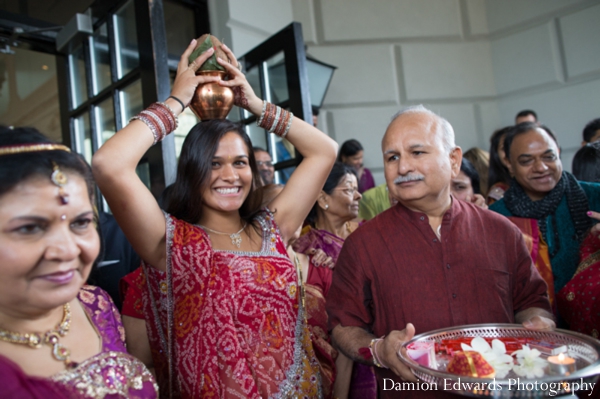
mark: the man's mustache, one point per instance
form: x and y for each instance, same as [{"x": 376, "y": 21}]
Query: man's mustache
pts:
[{"x": 408, "y": 177}]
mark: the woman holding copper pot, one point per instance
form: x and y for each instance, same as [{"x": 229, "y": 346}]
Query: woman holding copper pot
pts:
[{"x": 222, "y": 300}]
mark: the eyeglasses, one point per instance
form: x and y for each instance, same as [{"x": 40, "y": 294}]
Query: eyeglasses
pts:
[
  {"x": 265, "y": 163},
  {"x": 348, "y": 191}
]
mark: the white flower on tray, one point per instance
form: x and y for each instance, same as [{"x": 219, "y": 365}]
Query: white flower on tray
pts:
[
  {"x": 495, "y": 355},
  {"x": 529, "y": 363}
]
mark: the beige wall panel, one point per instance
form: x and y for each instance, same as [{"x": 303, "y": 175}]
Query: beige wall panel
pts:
[
  {"x": 581, "y": 39},
  {"x": 365, "y": 73},
  {"x": 525, "y": 59},
  {"x": 245, "y": 40},
  {"x": 478, "y": 24},
  {"x": 490, "y": 122},
  {"x": 267, "y": 15},
  {"x": 346, "y": 20},
  {"x": 303, "y": 11},
  {"x": 462, "y": 119},
  {"x": 447, "y": 70},
  {"x": 503, "y": 14},
  {"x": 565, "y": 110},
  {"x": 366, "y": 125}
]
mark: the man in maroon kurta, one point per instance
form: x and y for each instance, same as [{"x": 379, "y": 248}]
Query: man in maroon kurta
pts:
[{"x": 430, "y": 262}]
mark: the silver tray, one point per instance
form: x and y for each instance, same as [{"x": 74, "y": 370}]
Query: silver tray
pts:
[{"x": 584, "y": 349}]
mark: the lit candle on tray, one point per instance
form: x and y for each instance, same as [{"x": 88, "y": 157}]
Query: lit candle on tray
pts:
[{"x": 561, "y": 365}]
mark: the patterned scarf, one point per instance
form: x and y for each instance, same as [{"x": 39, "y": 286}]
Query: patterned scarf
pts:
[{"x": 519, "y": 204}]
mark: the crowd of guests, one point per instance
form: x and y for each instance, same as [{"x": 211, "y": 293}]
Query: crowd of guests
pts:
[{"x": 248, "y": 288}]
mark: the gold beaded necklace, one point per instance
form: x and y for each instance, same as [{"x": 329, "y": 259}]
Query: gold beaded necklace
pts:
[{"x": 50, "y": 338}]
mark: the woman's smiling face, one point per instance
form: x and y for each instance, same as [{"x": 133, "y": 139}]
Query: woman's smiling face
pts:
[
  {"x": 231, "y": 176},
  {"x": 46, "y": 248}
]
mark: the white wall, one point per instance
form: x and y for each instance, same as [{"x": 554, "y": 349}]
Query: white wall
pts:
[
  {"x": 392, "y": 54},
  {"x": 245, "y": 23},
  {"x": 476, "y": 62},
  {"x": 546, "y": 56}
]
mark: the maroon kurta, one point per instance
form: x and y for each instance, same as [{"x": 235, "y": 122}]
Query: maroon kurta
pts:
[{"x": 394, "y": 270}]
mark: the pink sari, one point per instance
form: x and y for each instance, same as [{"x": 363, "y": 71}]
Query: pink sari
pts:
[
  {"x": 363, "y": 384},
  {"x": 110, "y": 374}
]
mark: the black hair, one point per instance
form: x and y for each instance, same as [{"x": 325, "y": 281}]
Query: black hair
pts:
[
  {"x": 586, "y": 163},
  {"x": 589, "y": 131},
  {"x": 523, "y": 128},
  {"x": 349, "y": 148},
  {"x": 21, "y": 167},
  {"x": 17, "y": 168},
  {"x": 258, "y": 149},
  {"x": 468, "y": 169},
  {"x": 195, "y": 168},
  {"x": 337, "y": 174},
  {"x": 526, "y": 112},
  {"x": 165, "y": 197},
  {"x": 497, "y": 172},
  {"x": 315, "y": 110}
]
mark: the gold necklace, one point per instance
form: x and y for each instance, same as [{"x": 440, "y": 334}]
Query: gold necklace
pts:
[
  {"x": 236, "y": 238},
  {"x": 50, "y": 338},
  {"x": 349, "y": 228}
]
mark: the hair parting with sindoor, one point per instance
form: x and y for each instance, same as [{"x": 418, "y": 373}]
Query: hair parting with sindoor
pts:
[{"x": 195, "y": 168}]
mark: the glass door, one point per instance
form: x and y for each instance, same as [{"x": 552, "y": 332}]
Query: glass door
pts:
[
  {"x": 107, "y": 81},
  {"x": 277, "y": 71}
]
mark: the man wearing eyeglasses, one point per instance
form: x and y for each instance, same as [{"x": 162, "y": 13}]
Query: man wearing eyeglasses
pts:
[{"x": 264, "y": 162}]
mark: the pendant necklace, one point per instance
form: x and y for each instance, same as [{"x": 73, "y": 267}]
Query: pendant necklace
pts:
[
  {"x": 50, "y": 338},
  {"x": 236, "y": 238}
]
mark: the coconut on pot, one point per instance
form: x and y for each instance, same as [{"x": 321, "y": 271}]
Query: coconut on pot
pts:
[{"x": 205, "y": 42}]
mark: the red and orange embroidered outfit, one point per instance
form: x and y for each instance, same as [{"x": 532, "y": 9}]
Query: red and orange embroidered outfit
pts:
[
  {"x": 228, "y": 324},
  {"x": 538, "y": 249}
]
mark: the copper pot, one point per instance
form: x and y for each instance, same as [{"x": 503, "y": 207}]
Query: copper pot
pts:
[{"x": 212, "y": 101}]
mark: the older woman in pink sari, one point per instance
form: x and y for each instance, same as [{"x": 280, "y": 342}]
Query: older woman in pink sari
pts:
[
  {"x": 330, "y": 222},
  {"x": 58, "y": 337}
]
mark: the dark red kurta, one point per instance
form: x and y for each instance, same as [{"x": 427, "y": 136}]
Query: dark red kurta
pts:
[{"x": 394, "y": 270}]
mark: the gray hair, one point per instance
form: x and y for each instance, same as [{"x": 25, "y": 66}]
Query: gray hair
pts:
[{"x": 445, "y": 126}]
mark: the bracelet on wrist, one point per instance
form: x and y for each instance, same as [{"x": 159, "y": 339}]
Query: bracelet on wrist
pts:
[
  {"x": 275, "y": 119},
  {"x": 373, "y": 348},
  {"x": 160, "y": 119},
  {"x": 179, "y": 101}
]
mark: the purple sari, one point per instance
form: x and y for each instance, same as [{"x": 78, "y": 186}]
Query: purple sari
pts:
[
  {"x": 366, "y": 181},
  {"x": 363, "y": 383},
  {"x": 110, "y": 374}
]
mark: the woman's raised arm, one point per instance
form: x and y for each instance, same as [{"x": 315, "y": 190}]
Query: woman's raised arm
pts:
[
  {"x": 114, "y": 164},
  {"x": 319, "y": 151}
]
